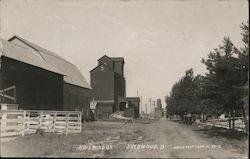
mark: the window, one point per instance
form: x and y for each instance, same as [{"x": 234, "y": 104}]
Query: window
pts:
[{"x": 102, "y": 68}]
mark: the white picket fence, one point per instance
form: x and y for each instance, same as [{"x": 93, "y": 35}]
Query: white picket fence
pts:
[{"x": 21, "y": 122}]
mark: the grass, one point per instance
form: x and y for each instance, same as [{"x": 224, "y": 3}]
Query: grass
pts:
[
  {"x": 60, "y": 145},
  {"x": 222, "y": 132},
  {"x": 224, "y": 137}
]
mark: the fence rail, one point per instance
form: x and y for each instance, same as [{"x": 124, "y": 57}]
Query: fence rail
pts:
[
  {"x": 21, "y": 122},
  {"x": 225, "y": 119},
  {"x": 223, "y": 123}
]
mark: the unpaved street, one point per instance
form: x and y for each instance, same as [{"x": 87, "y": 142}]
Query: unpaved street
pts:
[
  {"x": 179, "y": 141},
  {"x": 157, "y": 138}
]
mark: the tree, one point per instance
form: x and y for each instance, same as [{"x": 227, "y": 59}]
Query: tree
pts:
[
  {"x": 225, "y": 88},
  {"x": 184, "y": 97},
  {"x": 244, "y": 61},
  {"x": 224, "y": 78}
]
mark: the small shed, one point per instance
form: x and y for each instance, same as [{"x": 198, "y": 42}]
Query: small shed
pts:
[{"x": 133, "y": 109}]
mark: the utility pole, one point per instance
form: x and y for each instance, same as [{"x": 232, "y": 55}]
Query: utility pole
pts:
[
  {"x": 141, "y": 105},
  {"x": 150, "y": 104},
  {"x": 1, "y": 76}
]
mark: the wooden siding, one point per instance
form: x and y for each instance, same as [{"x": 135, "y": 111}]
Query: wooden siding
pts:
[
  {"x": 119, "y": 89},
  {"x": 118, "y": 67},
  {"x": 102, "y": 82},
  {"x": 134, "y": 108},
  {"x": 104, "y": 111},
  {"x": 130, "y": 112},
  {"x": 36, "y": 88},
  {"x": 76, "y": 99},
  {"x": 107, "y": 62}
]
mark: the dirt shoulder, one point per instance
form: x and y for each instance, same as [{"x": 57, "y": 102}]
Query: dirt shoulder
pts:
[{"x": 234, "y": 140}]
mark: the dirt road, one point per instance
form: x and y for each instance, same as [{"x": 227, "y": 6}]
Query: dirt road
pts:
[
  {"x": 144, "y": 139},
  {"x": 167, "y": 139}
]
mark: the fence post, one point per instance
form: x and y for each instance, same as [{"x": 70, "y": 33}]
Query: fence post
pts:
[
  {"x": 14, "y": 89},
  {"x": 80, "y": 121},
  {"x": 3, "y": 122},
  {"x": 23, "y": 128},
  {"x": 54, "y": 123},
  {"x": 67, "y": 122},
  {"x": 40, "y": 119},
  {"x": 28, "y": 122}
]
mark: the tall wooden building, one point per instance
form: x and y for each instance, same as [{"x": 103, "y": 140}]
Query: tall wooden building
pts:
[
  {"x": 109, "y": 88},
  {"x": 108, "y": 83},
  {"x": 42, "y": 79}
]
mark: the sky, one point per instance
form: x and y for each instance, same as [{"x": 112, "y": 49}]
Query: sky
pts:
[{"x": 159, "y": 40}]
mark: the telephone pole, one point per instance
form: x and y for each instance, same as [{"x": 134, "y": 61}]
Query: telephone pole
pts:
[
  {"x": 141, "y": 105},
  {"x": 150, "y": 104}
]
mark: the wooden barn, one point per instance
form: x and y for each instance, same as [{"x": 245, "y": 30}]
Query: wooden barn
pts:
[{"x": 41, "y": 79}]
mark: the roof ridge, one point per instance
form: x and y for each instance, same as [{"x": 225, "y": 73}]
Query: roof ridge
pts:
[
  {"x": 117, "y": 58},
  {"x": 104, "y": 56},
  {"x": 111, "y": 58},
  {"x": 39, "y": 48},
  {"x": 28, "y": 49},
  {"x": 17, "y": 45},
  {"x": 72, "y": 74},
  {"x": 5, "y": 50}
]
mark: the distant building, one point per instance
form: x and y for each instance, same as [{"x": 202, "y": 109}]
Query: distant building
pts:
[
  {"x": 149, "y": 106},
  {"x": 159, "y": 111},
  {"x": 42, "y": 79},
  {"x": 109, "y": 86},
  {"x": 158, "y": 103},
  {"x": 133, "y": 107}
]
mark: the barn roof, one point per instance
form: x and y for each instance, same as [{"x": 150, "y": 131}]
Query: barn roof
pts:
[
  {"x": 25, "y": 55},
  {"x": 72, "y": 74}
]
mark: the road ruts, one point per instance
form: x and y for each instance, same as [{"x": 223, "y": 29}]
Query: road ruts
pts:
[{"x": 179, "y": 141}]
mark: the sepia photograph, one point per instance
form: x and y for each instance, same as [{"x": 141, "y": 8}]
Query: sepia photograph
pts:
[{"x": 124, "y": 79}]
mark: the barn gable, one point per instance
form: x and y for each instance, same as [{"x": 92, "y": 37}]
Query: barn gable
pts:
[
  {"x": 25, "y": 55},
  {"x": 72, "y": 74}
]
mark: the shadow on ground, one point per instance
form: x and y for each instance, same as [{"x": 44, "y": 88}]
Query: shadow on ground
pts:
[
  {"x": 222, "y": 132},
  {"x": 228, "y": 139}
]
